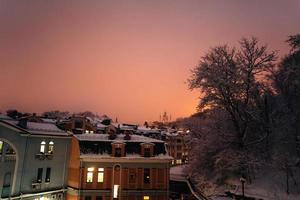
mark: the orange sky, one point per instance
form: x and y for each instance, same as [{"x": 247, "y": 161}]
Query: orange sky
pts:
[{"x": 127, "y": 59}]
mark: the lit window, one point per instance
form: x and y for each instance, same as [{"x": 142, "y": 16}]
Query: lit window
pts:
[
  {"x": 89, "y": 178},
  {"x": 1, "y": 146},
  {"x": 146, "y": 198},
  {"x": 100, "y": 175},
  {"x": 179, "y": 161},
  {"x": 43, "y": 145},
  {"x": 51, "y": 147},
  {"x": 116, "y": 190}
]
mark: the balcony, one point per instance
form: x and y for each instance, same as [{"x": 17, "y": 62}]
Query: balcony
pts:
[
  {"x": 10, "y": 158},
  {"x": 40, "y": 156},
  {"x": 36, "y": 185},
  {"x": 49, "y": 156},
  {"x": 43, "y": 156}
]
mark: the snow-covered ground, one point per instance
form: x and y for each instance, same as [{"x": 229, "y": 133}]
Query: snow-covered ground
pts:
[
  {"x": 177, "y": 173},
  {"x": 268, "y": 185}
]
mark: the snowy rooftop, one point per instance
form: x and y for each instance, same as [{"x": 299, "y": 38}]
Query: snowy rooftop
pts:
[
  {"x": 145, "y": 129},
  {"x": 120, "y": 138},
  {"x": 128, "y": 156},
  {"x": 40, "y": 128}
]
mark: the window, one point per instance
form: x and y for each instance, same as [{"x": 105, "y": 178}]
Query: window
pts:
[
  {"x": 179, "y": 155},
  {"x": 78, "y": 124},
  {"x": 1, "y": 147},
  {"x": 100, "y": 175},
  {"x": 87, "y": 198},
  {"x": 146, "y": 175},
  {"x": 147, "y": 152},
  {"x": 132, "y": 176},
  {"x": 89, "y": 178},
  {"x": 178, "y": 161},
  {"x": 161, "y": 176},
  {"x": 48, "y": 174},
  {"x": 116, "y": 191},
  {"x": 146, "y": 198},
  {"x": 99, "y": 198},
  {"x": 10, "y": 150},
  {"x": 42, "y": 148},
  {"x": 39, "y": 175},
  {"x": 7, "y": 179},
  {"x": 118, "y": 152},
  {"x": 51, "y": 147}
]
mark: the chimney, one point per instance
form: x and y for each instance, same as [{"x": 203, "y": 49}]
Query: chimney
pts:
[
  {"x": 112, "y": 133},
  {"x": 127, "y": 136},
  {"x": 23, "y": 123}
]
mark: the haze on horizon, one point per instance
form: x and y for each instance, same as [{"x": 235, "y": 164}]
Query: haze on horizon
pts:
[{"x": 127, "y": 59}]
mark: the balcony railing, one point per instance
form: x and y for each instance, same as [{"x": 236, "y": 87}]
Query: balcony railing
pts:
[
  {"x": 43, "y": 156},
  {"x": 36, "y": 185}
]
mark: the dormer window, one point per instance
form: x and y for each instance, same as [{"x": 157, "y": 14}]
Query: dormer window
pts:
[
  {"x": 147, "y": 149},
  {"x": 118, "y": 152},
  {"x": 118, "y": 149},
  {"x": 147, "y": 152},
  {"x": 42, "y": 147},
  {"x": 51, "y": 147}
]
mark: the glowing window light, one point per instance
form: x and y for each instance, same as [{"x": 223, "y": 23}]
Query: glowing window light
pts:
[
  {"x": 146, "y": 198},
  {"x": 116, "y": 188},
  {"x": 51, "y": 147},
  {"x": 1, "y": 146},
  {"x": 42, "y": 148},
  {"x": 100, "y": 175},
  {"x": 89, "y": 177}
]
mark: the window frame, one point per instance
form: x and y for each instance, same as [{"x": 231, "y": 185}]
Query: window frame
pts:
[
  {"x": 100, "y": 175},
  {"x": 90, "y": 174}
]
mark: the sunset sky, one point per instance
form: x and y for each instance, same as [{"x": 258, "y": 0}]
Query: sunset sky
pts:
[{"x": 127, "y": 59}]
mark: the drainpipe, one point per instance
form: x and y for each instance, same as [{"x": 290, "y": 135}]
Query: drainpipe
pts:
[
  {"x": 80, "y": 179},
  {"x": 64, "y": 170},
  {"x": 25, "y": 153}
]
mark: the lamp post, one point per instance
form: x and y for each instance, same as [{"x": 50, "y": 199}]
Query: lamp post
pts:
[{"x": 243, "y": 180}]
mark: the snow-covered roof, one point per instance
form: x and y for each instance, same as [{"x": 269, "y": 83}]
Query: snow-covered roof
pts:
[
  {"x": 40, "y": 128},
  {"x": 4, "y": 117},
  {"x": 47, "y": 120},
  {"x": 128, "y": 156},
  {"x": 120, "y": 138},
  {"x": 101, "y": 126},
  {"x": 146, "y": 130}
]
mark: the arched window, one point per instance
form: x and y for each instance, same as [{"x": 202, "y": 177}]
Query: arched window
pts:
[
  {"x": 7, "y": 179},
  {"x": 43, "y": 146},
  {"x": 51, "y": 147}
]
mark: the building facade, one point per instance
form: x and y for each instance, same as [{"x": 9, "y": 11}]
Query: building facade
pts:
[
  {"x": 177, "y": 147},
  {"x": 33, "y": 160},
  {"x": 127, "y": 167}
]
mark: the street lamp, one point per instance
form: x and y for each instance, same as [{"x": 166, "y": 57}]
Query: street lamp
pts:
[{"x": 243, "y": 180}]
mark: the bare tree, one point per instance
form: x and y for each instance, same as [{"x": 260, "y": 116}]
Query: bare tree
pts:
[{"x": 233, "y": 79}]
